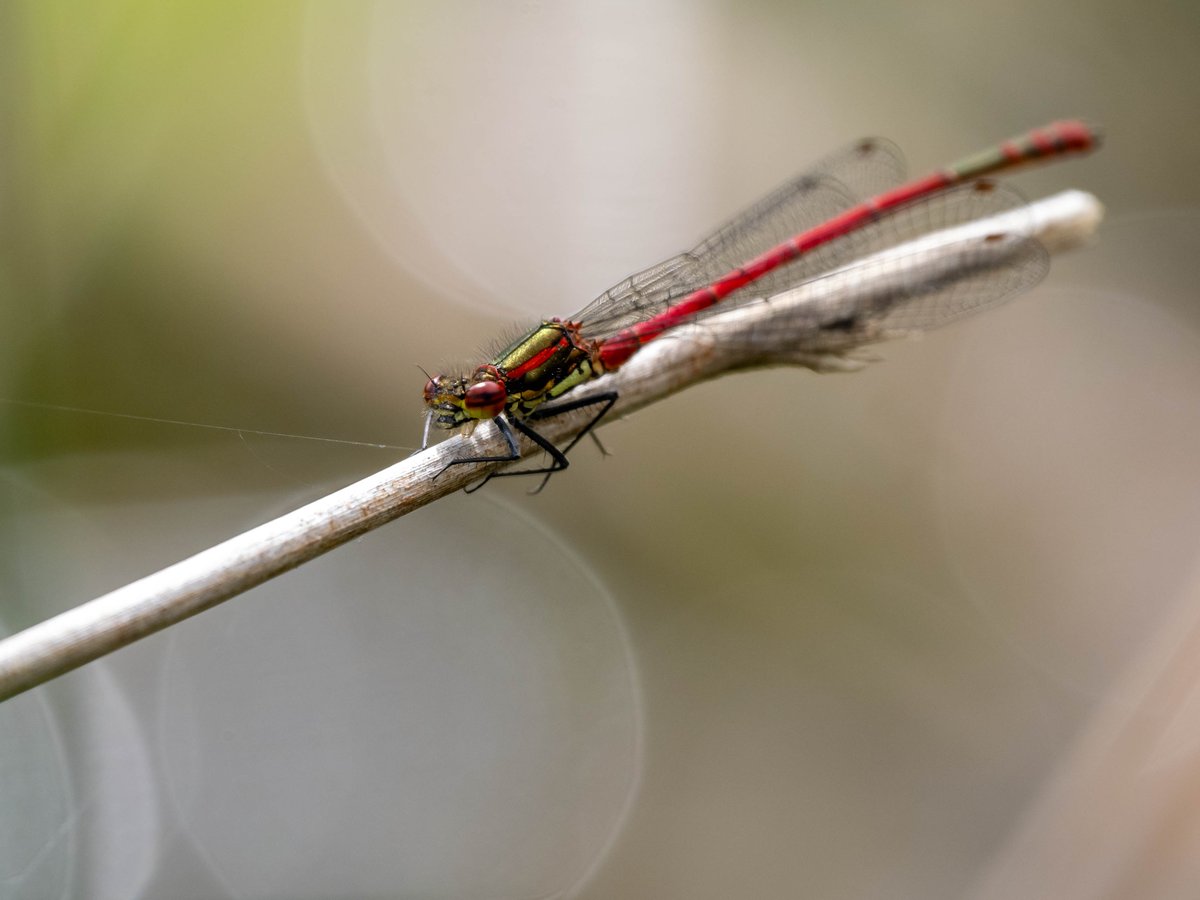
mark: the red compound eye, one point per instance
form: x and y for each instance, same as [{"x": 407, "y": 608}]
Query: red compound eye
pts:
[
  {"x": 431, "y": 389},
  {"x": 484, "y": 400}
]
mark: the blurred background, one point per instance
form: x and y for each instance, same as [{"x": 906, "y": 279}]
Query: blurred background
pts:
[{"x": 921, "y": 631}]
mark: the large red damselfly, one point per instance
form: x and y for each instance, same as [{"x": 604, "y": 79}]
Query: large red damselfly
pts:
[{"x": 814, "y": 224}]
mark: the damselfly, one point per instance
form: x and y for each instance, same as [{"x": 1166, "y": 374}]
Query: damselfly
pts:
[{"x": 816, "y": 223}]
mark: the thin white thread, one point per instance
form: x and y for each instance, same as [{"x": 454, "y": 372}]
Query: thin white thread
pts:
[{"x": 54, "y": 407}]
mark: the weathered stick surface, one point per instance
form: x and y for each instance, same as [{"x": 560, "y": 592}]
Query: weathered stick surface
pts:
[{"x": 827, "y": 319}]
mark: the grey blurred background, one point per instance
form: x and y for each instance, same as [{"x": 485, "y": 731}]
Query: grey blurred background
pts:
[{"x": 800, "y": 635}]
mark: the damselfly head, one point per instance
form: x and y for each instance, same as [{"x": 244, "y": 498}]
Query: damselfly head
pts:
[
  {"x": 456, "y": 401},
  {"x": 443, "y": 396}
]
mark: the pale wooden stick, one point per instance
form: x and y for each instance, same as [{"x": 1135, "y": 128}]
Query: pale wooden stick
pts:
[{"x": 691, "y": 354}]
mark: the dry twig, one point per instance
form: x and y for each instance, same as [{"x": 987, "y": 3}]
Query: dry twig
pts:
[{"x": 842, "y": 311}]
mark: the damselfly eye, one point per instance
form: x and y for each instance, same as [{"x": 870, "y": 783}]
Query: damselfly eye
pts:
[
  {"x": 484, "y": 400},
  {"x": 431, "y": 390}
]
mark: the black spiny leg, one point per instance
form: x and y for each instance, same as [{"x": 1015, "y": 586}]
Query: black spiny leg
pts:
[
  {"x": 605, "y": 401},
  {"x": 514, "y": 450},
  {"x": 559, "y": 457},
  {"x": 558, "y": 460}
]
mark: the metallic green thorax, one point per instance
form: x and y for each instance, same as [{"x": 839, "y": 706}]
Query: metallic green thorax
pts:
[
  {"x": 545, "y": 364},
  {"x": 539, "y": 366}
]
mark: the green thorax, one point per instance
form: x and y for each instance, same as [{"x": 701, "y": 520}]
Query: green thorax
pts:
[{"x": 544, "y": 364}]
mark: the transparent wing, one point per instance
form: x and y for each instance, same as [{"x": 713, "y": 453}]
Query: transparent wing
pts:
[
  {"x": 952, "y": 207},
  {"x": 833, "y": 185},
  {"x": 913, "y": 292},
  {"x": 977, "y": 285}
]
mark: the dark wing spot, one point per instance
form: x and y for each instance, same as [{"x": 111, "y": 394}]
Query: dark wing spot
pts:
[{"x": 846, "y": 323}]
